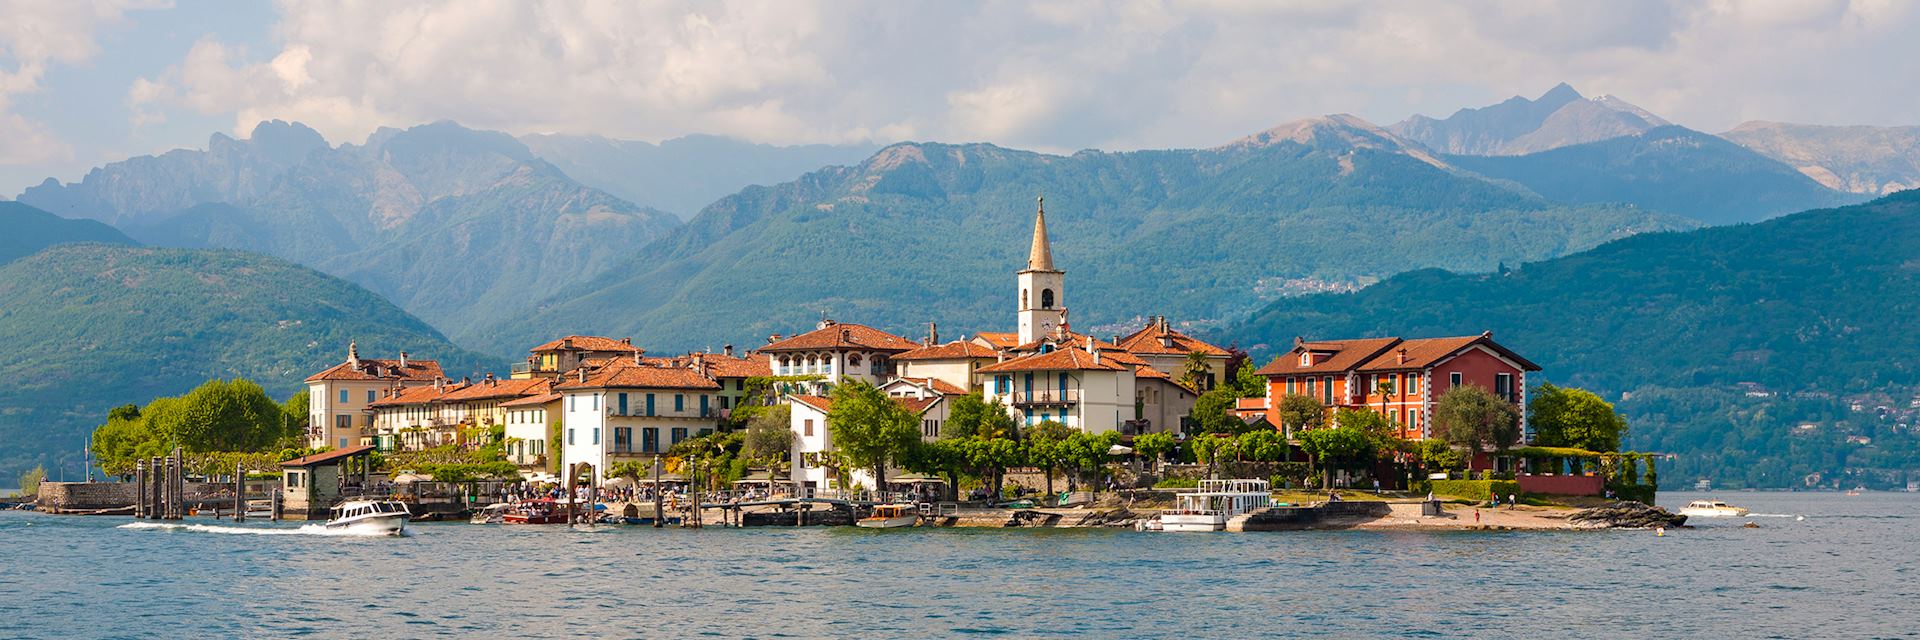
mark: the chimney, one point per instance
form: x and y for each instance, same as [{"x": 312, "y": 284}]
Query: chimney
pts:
[
  {"x": 727, "y": 350},
  {"x": 1403, "y": 355},
  {"x": 403, "y": 359},
  {"x": 582, "y": 374},
  {"x": 491, "y": 381},
  {"x": 1166, "y": 341},
  {"x": 566, "y": 343},
  {"x": 1488, "y": 334},
  {"x": 636, "y": 359},
  {"x": 466, "y": 380},
  {"x": 353, "y": 355},
  {"x": 438, "y": 383},
  {"x": 1299, "y": 340},
  {"x": 824, "y": 322},
  {"x": 627, "y": 341},
  {"x": 933, "y": 333},
  {"x": 773, "y": 338},
  {"x": 846, "y": 335},
  {"x": 698, "y": 362}
]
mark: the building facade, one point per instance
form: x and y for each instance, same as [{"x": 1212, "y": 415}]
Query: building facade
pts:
[{"x": 339, "y": 412}]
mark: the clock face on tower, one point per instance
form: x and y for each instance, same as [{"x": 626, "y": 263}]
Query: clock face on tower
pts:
[{"x": 1046, "y": 328}]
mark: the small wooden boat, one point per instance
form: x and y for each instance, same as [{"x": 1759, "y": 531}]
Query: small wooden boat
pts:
[
  {"x": 542, "y": 511},
  {"x": 891, "y": 516}
]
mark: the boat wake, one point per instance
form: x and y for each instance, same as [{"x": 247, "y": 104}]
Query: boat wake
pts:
[
  {"x": 1775, "y": 515},
  {"x": 304, "y": 530}
]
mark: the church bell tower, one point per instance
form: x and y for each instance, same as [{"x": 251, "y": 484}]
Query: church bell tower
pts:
[{"x": 1042, "y": 288}]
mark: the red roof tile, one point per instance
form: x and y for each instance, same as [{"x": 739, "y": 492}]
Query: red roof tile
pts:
[
  {"x": 999, "y": 340},
  {"x": 1425, "y": 352},
  {"x": 494, "y": 389},
  {"x": 416, "y": 395},
  {"x": 328, "y": 456},
  {"x": 639, "y": 377},
  {"x": 1056, "y": 360},
  {"x": 1148, "y": 340},
  {"x": 718, "y": 365},
  {"x": 825, "y": 404},
  {"x": 373, "y": 369},
  {"x": 842, "y": 335},
  {"x": 958, "y": 349},
  {"x": 531, "y": 401},
  {"x": 938, "y": 386},
  {"x": 1344, "y": 355},
  {"x": 589, "y": 343}
]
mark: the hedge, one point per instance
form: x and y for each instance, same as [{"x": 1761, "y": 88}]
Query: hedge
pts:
[
  {"x": 1477, "y": 490},
  {"x": 1635, "y": 492}
]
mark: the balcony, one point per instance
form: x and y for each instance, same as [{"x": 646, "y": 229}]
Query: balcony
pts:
[
  {"x": 696, "y": 413},
  {"x": 1048, "y": 397}
]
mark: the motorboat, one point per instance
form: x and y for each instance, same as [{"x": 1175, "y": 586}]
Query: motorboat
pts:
[
  {"x": 542, "y": 511},
  {"x": 1712, "y": 509},
  {"x": 495, "y": 513},
  {"x": 370, "y": 517},
  {"x": 1213, "y": 503},
  {"x": 891, "y": 516}
]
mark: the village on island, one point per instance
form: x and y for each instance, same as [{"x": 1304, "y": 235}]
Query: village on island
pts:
[{"x": 847, "y": 424}]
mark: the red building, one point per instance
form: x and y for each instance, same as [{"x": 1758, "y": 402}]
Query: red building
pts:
[{"x": 1398, "y": 378}]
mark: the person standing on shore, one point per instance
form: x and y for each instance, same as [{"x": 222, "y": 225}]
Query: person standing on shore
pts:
[{"x": 1511, "y": 501}]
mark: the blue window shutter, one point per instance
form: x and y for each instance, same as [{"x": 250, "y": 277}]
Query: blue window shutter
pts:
[
  {"x": 649, "y": 404},
  {"x": 623, "y": 404}
]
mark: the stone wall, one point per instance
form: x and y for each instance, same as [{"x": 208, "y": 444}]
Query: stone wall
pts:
[{"x": 69, "y": 497}]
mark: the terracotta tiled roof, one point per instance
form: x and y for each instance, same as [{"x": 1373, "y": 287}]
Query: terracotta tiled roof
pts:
[
  {"x": 822, "y": 403},
  {"x": 532, "y": 401},
  {"x": 841, "y": 335},
  {"x": 372, "y": 369},
  {"x": 1148, "y": 340},
  {"x": 589, "y": 343},
  {"x": 416, "y": 395},
  {"x": 327, "y": 456},
  {"x": 1150, "y": 373},
  {"x": 1073, "y": 340},
  {"x": 639, "y": 377},
  {"x": 1425, "y": 352},
  {"x": 1346, "y": 354},
  {"x": 825, "y": 404},
  {"x": 999, "y": 340},
  {"x": 489, "y": 390},
  {"x": 938, "y": 386},
  {"x": 1056, "y": 360},
  {"x": 718, "y": 365},
  {"x": 955, "y": 350}
]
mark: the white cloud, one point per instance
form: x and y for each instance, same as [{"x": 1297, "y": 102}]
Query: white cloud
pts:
[
  {"x": 35, "y": 35},
  {"x": 1057, "y": 76}
]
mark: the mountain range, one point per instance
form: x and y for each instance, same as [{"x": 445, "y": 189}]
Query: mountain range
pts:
[
  {"x": 1720, "y": 344},
  {"x": 91, "y": 326},
  {"x": 1517, "y": 126},
  {"x": 684, "y": 174},
  {"x": 923, "y": 232},
  {"x": 29, "y": 230},
  {"x": 1857, "y": 159}
]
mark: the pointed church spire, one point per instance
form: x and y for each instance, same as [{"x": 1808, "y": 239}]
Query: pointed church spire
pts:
[{"x": 1040, "y": 257}]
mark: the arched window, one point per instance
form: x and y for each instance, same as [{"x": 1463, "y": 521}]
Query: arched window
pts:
[
  {"x": 1046, "y": 298},
  {"x": 1026, "y": 301},
  {"x": 853, "y": 360}
]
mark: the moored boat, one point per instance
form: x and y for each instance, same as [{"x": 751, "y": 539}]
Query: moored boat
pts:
[
  {"x": 1209, "y": 507},
  {"x": 891, "y": 516},
  {"x": 1712, "y": 509},
  {"x": 495, "y": 513},
  {"x": 542, "y": 511},
  {"x": 372, "y": 517}
]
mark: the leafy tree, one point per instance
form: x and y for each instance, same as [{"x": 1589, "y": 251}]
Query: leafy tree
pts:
[
  {"x": 992, "y": 456},
  {"x": 1437, "y": 455},
  {"x": 1384, "y": 435},
  {"x": 869, "y": 428},
  {"x": 1209, "y": 449},
  {"x": 1569, "y": 417},
  {"x": 945, "y": 457},
  {"x": 1213, "y": 412},
  {"x": 1470, "y": 416},
  {"x": 1249, "y": 384},
  {"x": 30, "y": 481},
  {"x": 1046, "y": 448},
  {"x": 964, "y": 418},
  {"x": 1085, "y": 455},
  {"x": 1154, "y": 445},
  {"x": 769, "y": 438},
  {"x": 1265, "y": 445},
  {"x": 296, "y": 410},
  {"x": 1336, "y": 445},
  {"x": 556, "y": 447},
  {"x": 1301, "y": 413},
  {"x": 220, "y": 415}
]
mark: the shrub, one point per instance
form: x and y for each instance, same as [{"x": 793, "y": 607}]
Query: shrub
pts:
[
  {"x": 1177, "y": 483},
  {"x": 1477, "y": 490},
  {"x": 1635, "y": 492}
]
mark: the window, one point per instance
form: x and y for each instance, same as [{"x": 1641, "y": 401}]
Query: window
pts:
[
  {"x": 1046, "y": 298},
  {"x": 650, "y": 440},
  {"x": 853, "y": 360},
  {"x": 343, "y": 396},
  {"x": 569, "y": 436},
  {"x": 372, "y": 396},
  {"x": 596, "y": 436},
  {"x": 1503, "y": 385},
  {"x": 1453, "y": 378},
  {"x": 1306, "y": 358},
  {"x": 723, "y": 402},
  {"x": 740, "y": 384},
  {"x": 342, "y": 421},
  {"x": 679, "y": 402},
  {"x": 1309, "y": 387},
  {"x": 649, "y": 404},
  {"x": 930, "y": 428},
  {"x": 596, "y": 403},
  {"x": 679, "y": 433},
  {"x": 1326, "y": 389},
  {"x": 623, "y": 405},
  {"x": 573, "y": 402},
  {"x": 705, "y": 408},
  {"x": 296, "y": 479},
  {"x": 809, "y": 427}
]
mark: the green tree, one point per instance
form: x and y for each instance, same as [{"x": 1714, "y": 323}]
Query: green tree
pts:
[
  {"x": 1470, "y": 416},
  {"x": 1301, "y": 413},
  {"x": 1265, "y": 445},
  {"x": 1154, "y": 445},
  {"x": 295, "y": 411},
  {"x": 946, "y": 458},
  {"x": 1213, "y": 412},
  {"x": 220, "y": 415},
  {"x": 1437, "y": 455},
  {"x": 964, "y": 417},
  {"x": 992, "y": 457},
  {"x": 556, "y": 448},
  {"x": 1085, "y": 455},
  {"x": 1335, "y": 446},
  {"x": 1045, "y": 447},
  {"x": 869, "y": 428},
  {"x": 1249, "y": 384},
  {"x": 1570, "y": 417},
  {"x": 30, "y": 481},
  {"x": 769, "y": 439},
  {"x": 123, "y": 441}
]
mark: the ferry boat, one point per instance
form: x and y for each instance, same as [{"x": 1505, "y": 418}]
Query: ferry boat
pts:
[
  {"x": 891, "y": 516},
  {"x": 375, "y": 517},
  {"x": 1712, "y": 509},
  {"x": 1209, "y": 507}
]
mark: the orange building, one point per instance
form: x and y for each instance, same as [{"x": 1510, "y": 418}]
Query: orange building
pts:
[{"x": 1394, "y": 377}]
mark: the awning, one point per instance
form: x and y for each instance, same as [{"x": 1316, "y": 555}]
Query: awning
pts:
[
  {"x": 409, "y": 478},
  {"x": 1118, "y": 450},
  {"x": 665, "y": 478},
  {"x": 617, "y": 483}
]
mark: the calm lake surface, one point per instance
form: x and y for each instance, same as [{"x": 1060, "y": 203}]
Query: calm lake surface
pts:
[{"x": 1850, "y": 569}]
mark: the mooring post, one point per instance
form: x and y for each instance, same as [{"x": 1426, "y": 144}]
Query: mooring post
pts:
[
  {"x": 571, "y": 515},
  {"x": 139, "y": 482},
  {"x": 659, "y": 515},
  {"x": 239, "y": 493}
]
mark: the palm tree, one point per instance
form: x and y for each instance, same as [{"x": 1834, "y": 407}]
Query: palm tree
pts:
[
  {"x": 1385, "y": 386},
  {"x": 1196, "y": 371}
]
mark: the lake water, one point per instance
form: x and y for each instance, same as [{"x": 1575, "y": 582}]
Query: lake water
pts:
[{"x": 1850, "y": 569}]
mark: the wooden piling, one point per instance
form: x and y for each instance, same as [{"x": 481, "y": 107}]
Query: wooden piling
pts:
[
  {"x": 659, "y": 515},
  {"x": 239, "y": 493}
]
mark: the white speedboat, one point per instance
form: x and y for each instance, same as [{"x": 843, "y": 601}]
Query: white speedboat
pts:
[
  {"x": 495, "y": 513},
  {"x": 370, "y": 517},
  {"x": 891, "y": 516},
  {"x": 1209, "y": 507},
  {"x": 1712, "y": 509}
]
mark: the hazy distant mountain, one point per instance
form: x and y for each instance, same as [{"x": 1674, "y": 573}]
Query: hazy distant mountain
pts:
[
  {"x": 91, "y": 326},
  {"x": 451, "y": 223},
  {"x": 933, "y": 232},
  {"x": 1860, "y": 159},
  {"x": 1671, "y": 169},
  {"x": 1805, "y": 310},
  {"x": 28, "y": 230},
  {"x": 684, "y": 174},
  {"x": 1558, "y": 118}
]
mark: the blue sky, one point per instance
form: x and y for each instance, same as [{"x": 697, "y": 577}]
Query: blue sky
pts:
[{"x": 85, "y": 82}]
